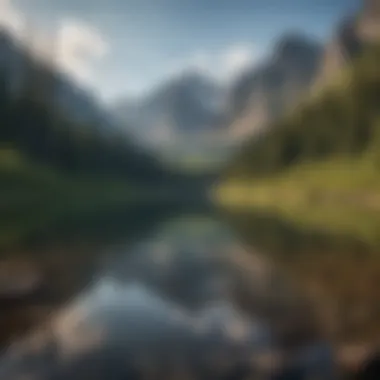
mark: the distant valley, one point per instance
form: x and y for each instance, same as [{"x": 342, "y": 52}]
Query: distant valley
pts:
[
  {"x": 192, "y": 118},
  {"x": 325, "y": 150}
]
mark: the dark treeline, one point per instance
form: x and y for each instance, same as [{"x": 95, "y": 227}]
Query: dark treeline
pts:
[
  {"x": 343, "y": 120},
  {"x": 33, "y": 125}
]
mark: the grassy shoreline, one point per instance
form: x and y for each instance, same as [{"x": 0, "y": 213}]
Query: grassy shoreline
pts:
[{"x": 338, "y": 196}]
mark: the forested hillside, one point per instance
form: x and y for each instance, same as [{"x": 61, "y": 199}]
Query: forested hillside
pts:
[
  {"x": 340, "y": 122},
  {"x": 52, "y": 164},
  {"x": 33, "y": 126}
]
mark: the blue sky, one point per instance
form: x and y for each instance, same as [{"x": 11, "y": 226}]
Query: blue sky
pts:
[{"x": 126, "y": 47}]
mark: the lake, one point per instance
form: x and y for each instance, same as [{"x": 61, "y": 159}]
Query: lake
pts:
[{"x": 199, "y": 293}]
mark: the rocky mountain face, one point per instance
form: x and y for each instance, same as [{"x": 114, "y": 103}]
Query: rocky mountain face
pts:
[
  {"x": 266, "y": 92},
  {"x": 351, "y": 37},
  {"x": 192, "y": 110},
  {"x": 298, "y": 66},
  {"x": 187, "y": 105}
]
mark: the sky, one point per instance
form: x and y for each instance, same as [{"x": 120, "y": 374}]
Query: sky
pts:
[{"x": 125, "y": 48}]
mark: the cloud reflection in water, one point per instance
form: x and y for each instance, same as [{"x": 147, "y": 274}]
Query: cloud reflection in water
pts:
[{"x": 168, "y": 309}]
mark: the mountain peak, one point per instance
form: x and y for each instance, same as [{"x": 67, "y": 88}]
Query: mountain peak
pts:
[
  {"x": 188, "y": 79},
  {"x": 190, "y": 102},
  {"x": 266, "y": 92},
  {"x": 368, "y": 21},
  {"x": 371, "y": 7},
  {"x": 293, "y": 44}
]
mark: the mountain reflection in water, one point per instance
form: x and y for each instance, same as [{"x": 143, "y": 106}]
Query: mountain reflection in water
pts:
[{"x": 186, "y": 302}]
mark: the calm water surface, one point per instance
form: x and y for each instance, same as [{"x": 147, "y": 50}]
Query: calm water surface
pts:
[{"x": 194, "y": 295}]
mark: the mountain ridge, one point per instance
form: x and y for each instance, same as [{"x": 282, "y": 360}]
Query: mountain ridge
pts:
[
  {"x": 70, "y": 97},
  {"x": 188, "y": 103},
  {"x": 352, "y": 35},
  {"x": 192, "y": 103},
  {"x": 266, "y": 92}
]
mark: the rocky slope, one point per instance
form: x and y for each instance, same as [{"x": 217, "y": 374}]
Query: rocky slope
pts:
[
  {"x": 265, "y": 93},
  {"x": 192, "y": 107},
  {"x": 189, "y": 104},
  {"x": 353, "y": 34},
  {"x": 298, "y": 66},
  {"x": 193, "y": 111}
]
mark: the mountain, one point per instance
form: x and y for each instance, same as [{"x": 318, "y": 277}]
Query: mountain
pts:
[
  {"x": 353, "y": 34},
  {"x": 332, "y": 140},
  {"x": 192, "y": 118},
  {"x": 57, "y": 130},
  {"x": 191, "y": 110},
  {"x": 266, "y": 92},
  {"x": 297, "y": 66},
  {"x": 70, "y": 98},
  {"x": 187, "y": 105},
  {"x": 325, "y": 153}
]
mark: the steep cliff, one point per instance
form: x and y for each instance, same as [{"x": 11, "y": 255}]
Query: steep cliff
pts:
[
  {"x": 268, "y": 91},
  {"x": 352, "y": 36}
]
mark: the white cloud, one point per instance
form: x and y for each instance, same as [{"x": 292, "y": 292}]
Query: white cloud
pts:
[
  {"x": 75, "y": 46},
  {"x": 11, "y": 19},
  {"x": 80, "y": 46},
  {"x": 236, "y": 59},
  {"x": 224, "y": 65}
]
